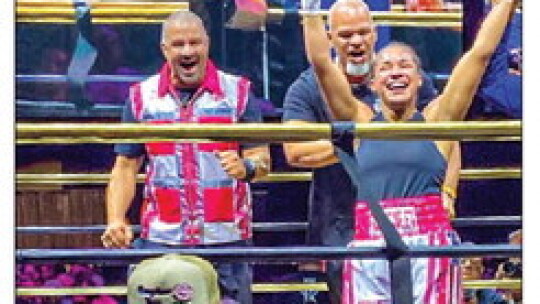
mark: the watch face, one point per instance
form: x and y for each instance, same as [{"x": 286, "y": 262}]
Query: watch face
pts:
[{"x": 261, "y": 164}]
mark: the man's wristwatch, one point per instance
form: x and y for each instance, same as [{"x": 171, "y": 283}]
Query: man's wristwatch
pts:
[
  {"x": 251, "y": 169},
  {"x": 261, "y": 164}
]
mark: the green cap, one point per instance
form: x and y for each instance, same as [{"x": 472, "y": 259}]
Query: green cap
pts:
[{"x": 173, "y": 278}]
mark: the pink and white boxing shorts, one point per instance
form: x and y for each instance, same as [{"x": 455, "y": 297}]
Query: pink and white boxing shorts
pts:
[{"x": 421, "y": 221}]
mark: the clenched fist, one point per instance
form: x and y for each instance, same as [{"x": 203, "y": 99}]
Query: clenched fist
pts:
[
  {"x": 117, "y": 235},
  {"x": 232, "y": 163}
]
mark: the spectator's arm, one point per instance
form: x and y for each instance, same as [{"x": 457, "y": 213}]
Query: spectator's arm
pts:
[
  {"x": 312, "y": 154},
  {"x": 500, "y": 87},
  {"x": 303, "y": 104}
]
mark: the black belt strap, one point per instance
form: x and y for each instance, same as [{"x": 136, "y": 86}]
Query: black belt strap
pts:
[
  {"x": 343, "y": 134},
  {"x": 83, "y": 57}
]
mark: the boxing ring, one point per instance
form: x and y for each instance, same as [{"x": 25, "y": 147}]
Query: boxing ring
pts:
[
  {"x": 101, "y": 133},
  {"x": 106, "y": 133}
]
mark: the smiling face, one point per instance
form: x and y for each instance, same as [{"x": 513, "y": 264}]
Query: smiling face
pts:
[
  {"x": 185, "y": 46},
  {"x": 353, "y": 36},
  {"x": 397, "y": 77}
]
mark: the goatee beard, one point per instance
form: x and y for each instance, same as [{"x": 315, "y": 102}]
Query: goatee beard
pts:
[{"x": 353, "y": 69}]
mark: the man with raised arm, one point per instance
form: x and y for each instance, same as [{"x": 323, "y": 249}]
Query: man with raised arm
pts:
[
  {"x": 405, "y": 177},
  {"x": 196, "y": 194}
]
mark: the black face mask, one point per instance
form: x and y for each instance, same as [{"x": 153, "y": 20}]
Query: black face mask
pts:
[{"x": 512, "y": 269}]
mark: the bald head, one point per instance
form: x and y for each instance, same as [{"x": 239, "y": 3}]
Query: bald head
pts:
[
  {"x": 181, "y": 18},
  {"x": 185, "y": 45},
  {"x": 348, "y": 9},
  {"x": 353, "y": 36}
]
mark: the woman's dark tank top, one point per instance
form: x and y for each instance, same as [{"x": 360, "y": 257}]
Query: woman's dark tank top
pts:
[{"x": 399, "y": 168}]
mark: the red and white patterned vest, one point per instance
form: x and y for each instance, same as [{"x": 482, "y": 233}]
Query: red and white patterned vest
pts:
[{"x": 188, "y": 198}]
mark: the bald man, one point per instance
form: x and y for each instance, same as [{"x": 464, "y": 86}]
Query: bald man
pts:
[
  {"x": 332, "y": 196},
  {"x": 196, "y": 194}
]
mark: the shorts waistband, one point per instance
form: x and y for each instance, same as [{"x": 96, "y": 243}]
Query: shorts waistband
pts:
[{"x": 410, "y": 215}]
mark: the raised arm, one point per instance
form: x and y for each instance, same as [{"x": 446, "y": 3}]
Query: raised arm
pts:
[
  {"x": 455, "y": 100},
  {"x": 333, "y": 84}
]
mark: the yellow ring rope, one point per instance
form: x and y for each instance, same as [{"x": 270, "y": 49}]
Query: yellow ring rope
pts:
[
  {"x": 41, "y": 133},
  {"x": 274, "y": 177},
  {"x": 156, "y": 12},
  {"x": 256, "y": 288}
]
